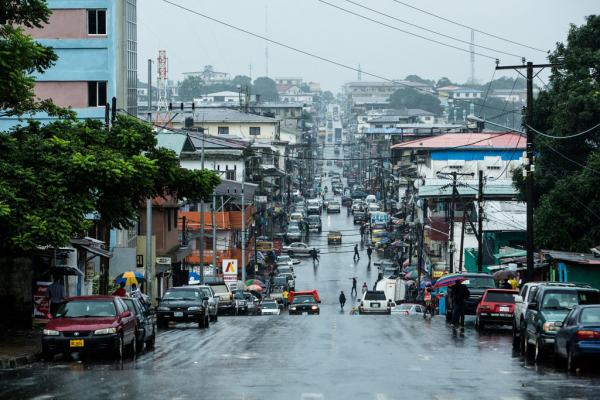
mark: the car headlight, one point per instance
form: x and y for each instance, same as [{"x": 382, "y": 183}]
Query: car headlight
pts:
[
  {"x": 51, "y": 332},
  {"x": 163, "y": 309},
  {"x": 315, "y": 307},
  {"x": 293, "y": 308},
  {"x": 194, "y": 308},
  {"x": 550, "y": 327},
  {"x": 105, "y": 331}
]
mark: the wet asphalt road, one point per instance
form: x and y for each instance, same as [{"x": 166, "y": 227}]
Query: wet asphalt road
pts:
[{"x": 330, "y": 356}]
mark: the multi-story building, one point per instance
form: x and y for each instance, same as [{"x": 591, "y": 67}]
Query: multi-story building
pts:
[
  {"x": 209, "y": 75},
  {"x": 96, "y": 44}
]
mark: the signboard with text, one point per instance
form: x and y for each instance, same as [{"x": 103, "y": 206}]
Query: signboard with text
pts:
[{"x": 230, "y": 270}]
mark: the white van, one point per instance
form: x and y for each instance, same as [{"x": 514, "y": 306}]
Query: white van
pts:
[
  {"x": 395, "y": 289},
  {"x": 370, "y": 199}
]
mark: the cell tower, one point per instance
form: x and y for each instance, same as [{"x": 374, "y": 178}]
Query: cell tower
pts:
[
  {"x": 472, "y": 51},
  {"x": 163, "y": 115}
]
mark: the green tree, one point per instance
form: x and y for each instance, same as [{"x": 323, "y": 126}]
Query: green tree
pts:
[
  {"x": 266, "y": 88},
  {"x": 191, "y": 87},
  {"x": 21, "y": 56},
  {"x": 241, "y": 80},
  {"x": 418, "y": 79},
  {"x": 443, "y": 82},
  {"x": 411, "y": 98},
  {"x": 567, "y": 169},
  {"x": 328, "y": 97}
]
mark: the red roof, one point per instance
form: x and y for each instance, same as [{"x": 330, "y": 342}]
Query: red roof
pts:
[{"x": 488, "y": 140}]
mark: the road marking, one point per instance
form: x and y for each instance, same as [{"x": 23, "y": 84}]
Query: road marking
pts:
[
  {"x": 311, "y": 396},
  {"x": 381, "y": 396}
]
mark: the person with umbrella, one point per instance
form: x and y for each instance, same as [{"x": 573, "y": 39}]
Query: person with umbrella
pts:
[
  {"x": 120, "y": 291},
  {"x": 460, "y": 293}
]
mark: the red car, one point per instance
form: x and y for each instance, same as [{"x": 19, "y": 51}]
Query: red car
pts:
[
  {"x": 497, "y": 306},
  {"x": 312, "y": 293},
  {"x": 90, "y": 324}
]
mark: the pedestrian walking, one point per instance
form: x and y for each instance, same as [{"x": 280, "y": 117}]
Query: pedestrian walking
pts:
[
  {"x": 120, "y": 290},
  {"x": 315, "y": 257},
  {"x": 364, "y": 287},
  {"x": 285, "y": 295},
  {"x": 342, "y": 300},
  {"x": 460, "y": 293},
  {"x": 369, "y": 252},
  {"x": 356, "y": 255},
  {"x": 55, "y": 293},
  {"x": 353, "y": 287},
  {"x": 362, "y": 233},
  {"x": 135, "y": 292}
]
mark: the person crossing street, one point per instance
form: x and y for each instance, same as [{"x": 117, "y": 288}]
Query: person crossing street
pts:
[
  {"x": 342, "y": 300},
  {"x": 356, "y": 255},
  {"x": 353, "y": 287},
  {"x": 369, "y": 252}
]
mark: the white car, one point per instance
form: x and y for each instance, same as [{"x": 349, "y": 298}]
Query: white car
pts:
[
  {"x": 299, "y": 249},
  {"x": 333, "y": 207},
  {"x": 284, "y": 261},
  {"x": 269, "y": 308},
  {"x": 408, "y": 309},
  {"x": 374, "y": 302},
  {"x": 296, "y": 216},
  {"x": 373, "y": 207}
]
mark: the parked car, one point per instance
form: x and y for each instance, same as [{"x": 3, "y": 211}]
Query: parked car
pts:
[
  {"x": 183, "y": 304},
  {"x": 358, "y": 205},
  {"x": 326, "y": 200},
  {"x": 297, "y": 216},
  {"x": 477, "y": 285},
  {"x": 285, "y": 260},
  {"x": 497, "y": 306},
  {"x": 407, "y": 309},
  {"x": 333, "y": 207},
  {"x": 313, "y": 207},
  {"x": 146, "y": 323},
  {"x": 293, "y": 233},
  {"x": 226, "y": 303},
  {"x": 299, "y": 249},
  {"x": 526, "y": 296},
  {"x": 290, "y": 278},
  {"x": 546, "y": 313},
  {"x": 359, "y": 217},
  {"x": 269, "y": 307},
  {"x": 334, "y": 237},
  {"x": 90, "y": 324},
  {"x": 314, "y": 223},
  {"x": 241, "y": 305},
  {"x": 252, "y": 302},
  {"x": 578, "y": 337},
  {"x": 304, "y": 304},
  {"x": 374, "y": 302}
]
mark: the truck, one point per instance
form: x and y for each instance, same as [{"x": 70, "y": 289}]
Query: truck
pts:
[{"x": 395, "y": 289}]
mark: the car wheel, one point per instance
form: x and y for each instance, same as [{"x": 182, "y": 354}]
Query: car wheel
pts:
[
  {"x": 139, "y": 345},
  {"x": 539, "y": 351},
  {"x": 202, "y": 322},
  {"x": 529, "y": 349},
  {"x": 207, "y": 321},
  {"x": 119, "y": 348}
]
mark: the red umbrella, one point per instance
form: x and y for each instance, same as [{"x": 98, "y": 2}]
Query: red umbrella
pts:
[{"x": 254, "y": 288}]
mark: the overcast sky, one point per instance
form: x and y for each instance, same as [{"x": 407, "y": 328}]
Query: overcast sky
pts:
[{"x": 192, "y": 41}]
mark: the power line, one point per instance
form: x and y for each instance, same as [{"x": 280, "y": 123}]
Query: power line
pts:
[
  {"x": 569, "y": 159},
  {"x": 470, "y": 27},
  {"x": 402, "y": 30},
  {"x": 564, "y": 137},
  {"x": 431, "y": 30}
]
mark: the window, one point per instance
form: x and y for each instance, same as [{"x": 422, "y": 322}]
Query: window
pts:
[
  {"x": 255, "y": 130},
  {"x": 230, "y": 175},
  {"x": 96, "y": 22},
  {"x": 97, "y": 94},
  {"x": 223, "y": 130}
]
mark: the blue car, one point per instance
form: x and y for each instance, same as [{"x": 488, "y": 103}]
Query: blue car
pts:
[{"x": 578, "y": 339}]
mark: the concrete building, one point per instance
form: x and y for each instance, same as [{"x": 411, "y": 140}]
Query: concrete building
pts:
[
  {"x": 226, "y": 97},
  {"x": 96, "y": 44},
  {"x": 209, "y": 75}
]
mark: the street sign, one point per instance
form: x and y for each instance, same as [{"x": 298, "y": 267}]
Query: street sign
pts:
[
  {"x": 260, "y": 199},
  {"x": 230, "y": 268},
  {"x": 163, "y": 260}
]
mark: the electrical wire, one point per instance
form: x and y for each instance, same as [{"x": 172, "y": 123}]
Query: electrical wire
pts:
[
  {"x": 307, "y": 53},
  {"x": 430, "y": 30},
  {"x": 572, "y": 161},
  {"x": 487, "y": 92},
  {"x": 564, "y": 137},
  {"x": 406, "y": 32},
  {"x": 470, "y": 27}
]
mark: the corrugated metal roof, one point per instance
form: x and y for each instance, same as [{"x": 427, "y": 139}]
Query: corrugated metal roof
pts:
[
  {"x": 486, "y": 140},
  {"x": 177, "y": 142},
  {"x": 442, "y": 188}
]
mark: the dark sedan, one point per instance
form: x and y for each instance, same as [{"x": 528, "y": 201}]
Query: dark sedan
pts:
[
  {"x": 304, "y": 305},
  {"x": 146, "y": 323},
  {"x": 578, "y": 339},
  {"x": 90, "y": 324},
  {"x": 183, "y": 304}
]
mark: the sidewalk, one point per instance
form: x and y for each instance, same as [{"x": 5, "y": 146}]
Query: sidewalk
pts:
[{"x": 18, "y": 348}]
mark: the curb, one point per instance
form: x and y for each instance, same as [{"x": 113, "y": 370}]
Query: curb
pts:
[{"x": 16, "y": 362}]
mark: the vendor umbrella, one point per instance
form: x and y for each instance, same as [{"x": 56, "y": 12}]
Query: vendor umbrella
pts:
[
  {"x": 449, "y": 280},
  {"x": 254, "y": 288},
  {"x": 251, "y": 282},
  {"x": 504, "y": 274},
  {"x": 129, "y": 277}
]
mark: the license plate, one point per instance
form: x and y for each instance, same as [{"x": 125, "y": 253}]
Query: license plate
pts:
[
  {"x": 375, "y": 305},
  {"x": 76, "y": 343},
  {"x": 178, "y": 314},
  {"x": 504, "y": 309}
]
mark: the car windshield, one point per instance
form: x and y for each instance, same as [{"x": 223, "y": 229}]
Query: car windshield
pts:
[
  {"x": 220, "y": 289},
  {"x": 567, "y": 299},
  {"x": 185, "y": 294},
  {"x": 283, "y": 258},
  {"x": 303, "y": 300},
  {"x": 378, "y": 295},
  {"x": 83, "y": 308},
  {"x": 269, "y": 305},
  {"x": 500, "y": 297},
  {"x": 480, "y": 282},
  {"x": 590, "y": 316}
]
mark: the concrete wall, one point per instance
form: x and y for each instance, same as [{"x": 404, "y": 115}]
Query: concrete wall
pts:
[
  {"x": 64, "y": 94},
  {"x": 63, "y": 24},
  {"x": 16, "y": 301}
]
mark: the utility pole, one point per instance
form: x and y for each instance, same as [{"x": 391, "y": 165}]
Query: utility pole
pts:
[
  {"x": 214, "y": 229},
  {"x": 480, "y": 224},
  {"x": 529, "y": 166},
  {"x": 243, "y": 226},
  {"x": 148, "y": 272},
  {"x": 421, "y": 259},
  {"x": 462, "y": 242},
  {"x": 202, "y": 220}
]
